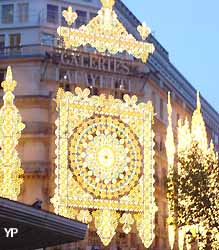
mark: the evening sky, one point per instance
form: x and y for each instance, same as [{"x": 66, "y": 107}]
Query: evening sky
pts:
[{"x": 189, "y": 31}]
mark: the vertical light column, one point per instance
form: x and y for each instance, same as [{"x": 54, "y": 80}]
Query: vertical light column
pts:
[
  {"x": 170, "y": 150},
  {"x": 10, "y": 131}
]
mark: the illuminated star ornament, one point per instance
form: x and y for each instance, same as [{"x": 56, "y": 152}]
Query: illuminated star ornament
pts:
[
  {"x": 104, "y": 163},
  {"x": 105, "y": 33},
  {"x": 11, "y": 173}
]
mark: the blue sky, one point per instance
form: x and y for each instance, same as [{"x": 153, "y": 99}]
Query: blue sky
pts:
[{"x": 189, "y": 31}]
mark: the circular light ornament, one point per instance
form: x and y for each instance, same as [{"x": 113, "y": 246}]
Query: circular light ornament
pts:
[{"x": 105, "y": 157}]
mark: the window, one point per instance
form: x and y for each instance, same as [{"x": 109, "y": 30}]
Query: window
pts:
[
  {"x": 82, "y": 18},
  {"x": 164, "y": 176},
  {"x": 2, "y": 42},
  {"x": 52, "y": 13},
  {"x": 2, "y": 77},
  {"x": 161, "y": 148},
  {"x": 15, "y": 40},
  {"x": 153, "y": 99},
  {"x": 23, "y": 13},
  {"x": 47, "y": 39},
  {"x": 65, "y": 86},
  {"x": 64, "y": 23},
  {"x": 92, "y": 15},
  {"x": 177, "y": 117},
  {"x": 161, "y": 108},
  {"x": 158, "y": 177},
  {"x": 7, "y": 13},
  {"x": 216, "y": 139},
  {"x": 93, "y": 90}
]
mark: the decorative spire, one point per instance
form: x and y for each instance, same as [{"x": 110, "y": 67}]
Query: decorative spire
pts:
[
  {"x": 10, "y": 131},
  {"x": 108, "y": 3},
  {"x": 170, "y": 145},
  {"x": 9, "y": 84},
  {"x": 199, "y": 133}
]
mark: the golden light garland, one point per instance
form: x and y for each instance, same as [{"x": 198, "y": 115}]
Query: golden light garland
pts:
[
  {"x": 104, "y": 163},
  {"x": 10, "y": 131},
  {"x": 105, "y": 33}
]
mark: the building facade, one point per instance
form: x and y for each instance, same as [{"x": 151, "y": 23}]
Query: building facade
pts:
[{"x": 40, "y": 64}]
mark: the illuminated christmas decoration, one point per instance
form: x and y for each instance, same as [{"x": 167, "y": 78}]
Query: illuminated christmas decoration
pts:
[
  {"x": 170, "y": 150},
  {"x": 193, "y": 183},
  {"x": 127, "y": 221},
  {"x": 170, "y": 145},
  {"x": 84, "y": 216},
  {"x": 10, "y": 131},
  {"x": 104, "y": 163},
  {"x": 144, "y": 31},
  {"x": 185, "y": 135},
  {"x": 105, "y": 33},
  {"x": 198, "y": 130},
  {"x": 171, "y": 234}
]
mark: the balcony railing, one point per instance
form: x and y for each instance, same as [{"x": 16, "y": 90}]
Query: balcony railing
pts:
[
  {"x": 25, "y": 50},
  {"x": 40, "y": 49}
]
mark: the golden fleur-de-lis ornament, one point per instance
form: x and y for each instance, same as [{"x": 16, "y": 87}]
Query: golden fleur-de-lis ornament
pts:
[
  {"x": 9, "y": 84},
  {"x": 108, "y": 3},
  {"x": 143, "y": 30},
  {"x": 69, "y": 15},
  {"x": 130, "y": 100},
  {"x": 83, "y": 94}
]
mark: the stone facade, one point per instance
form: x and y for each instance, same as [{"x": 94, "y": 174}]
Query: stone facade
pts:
[{"x": 40, "y": 69}]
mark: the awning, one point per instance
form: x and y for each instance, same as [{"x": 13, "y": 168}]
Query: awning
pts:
[{"x": 29, "y": 228}]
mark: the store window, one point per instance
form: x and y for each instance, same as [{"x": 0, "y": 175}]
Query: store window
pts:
[
  {"x": 82, "y": 18},
  {"x": 23, "y": 12},
  {"x": 7, "y": 13},
  {"x": 52, "y": 13}
]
